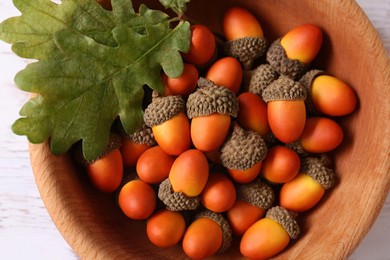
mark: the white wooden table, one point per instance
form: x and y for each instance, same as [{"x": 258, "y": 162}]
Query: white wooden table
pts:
[{"x": 26, "y": 230}]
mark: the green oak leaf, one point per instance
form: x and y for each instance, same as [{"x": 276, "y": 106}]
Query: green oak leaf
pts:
[
  {"x": 178, "y": 6},
  {"x": 32, "y": 33},
  {"x": 81, "y": 96}
]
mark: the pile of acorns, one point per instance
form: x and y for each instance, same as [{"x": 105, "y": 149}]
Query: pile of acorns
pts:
[{"x": 234, "y": 147}]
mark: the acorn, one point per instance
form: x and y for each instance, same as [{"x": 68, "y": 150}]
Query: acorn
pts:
[
  {"x": 327, "y": 94},
  {"x": 286, "y": 219},
  {"x": 176, "y": 201},
  {"x": 242, "y": 154},
  {"x": 253, "y": 200},
  {"x": 210, "y": 109},
  {"x": 221, "y": 222},
  {"x": 105, "y": 171},
  {"x": 260, "y": 78},
  {"x": 244, "y": 34},
  {"x": 286, "y": 108},
  {"x": 292, "y": 54},
  {"x": 135, "y": 144},
  {"x": 308, "y": 187},
  {"x": 169, "y": 122},
  {"x": 270, "y": 235},
  {"x": 277, "y": 58}
]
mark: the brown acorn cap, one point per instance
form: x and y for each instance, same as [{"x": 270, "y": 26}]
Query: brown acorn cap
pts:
[
  {"x": 270, "y": 139},
  {"x": 257, "y": 193},
  {"x": 258, "y": 79},
  {"x": 316, "y": 168},
  {"x": 242, "y": 149},
  {"x": 277, "y": 57},
  {"x": 176, "y": 201},
  {"x": 210, "y": 98},
  {"x": 284, "y": 88},
  {"x": 227, "y": 234},
  {"x": 143, "y": 135},
  {"x": 162, "y": 109},
  {"x": 246, "y": 49},
  {"x": 297, "y": 147},
  {"x": 284, "y": 218}
]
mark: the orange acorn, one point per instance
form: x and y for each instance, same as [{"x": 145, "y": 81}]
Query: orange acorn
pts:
[
  {"x": 203, "y": 46},
  {"x": 327, "y": 94},
  {"x": 291, "y": 54},
  {"x": 286, "y": 108},
  {"x": 270, "y": 235},
  {"x": 189, "y": 173},
  {"x": 226, "y": 72},
  {"x": 106, "y": 172},
  {"x": 183, "y": 85},
  {"x": 136, "y": 144},
  {"x": 207, "y": 235},
  {"x": 321, "y": 135},
  {"x": 308, "y": 187},
  {"x": 252, "y": 113},
  {"x": 210, "y": 109},
  {"x": 244, "y": 34},
  {"x": 170, "y": 125}
]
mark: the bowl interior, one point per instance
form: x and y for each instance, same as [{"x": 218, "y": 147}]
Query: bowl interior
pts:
[{"x": 95, "y": 227}]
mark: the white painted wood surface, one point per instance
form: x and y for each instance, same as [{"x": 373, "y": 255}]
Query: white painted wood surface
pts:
[{"x": 26, "y": 230}]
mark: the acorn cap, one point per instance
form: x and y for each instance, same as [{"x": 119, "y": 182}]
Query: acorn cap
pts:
[
  {"x": 270, "y": 139},
  {"x": 284, "y": 218},
  {"x": 227, "y": 234},
  {"x": 257, "y": 193},
  {"x": 162, "y": 109},
  {"x": 246, "y": 49},
  {"x": 316, "y": 168},
  {"x": 143, "y": 135},
  {"x": 277, "y": 57},
  {"x": 176, "y": 201},
  {"x": 258, "y": 79},
  {"x": 284, "y": 88},
  {"x": 210, "y": 98},
  {"x": 306, "y": 82},
  {"x": 297, "y": 147},
  {"x": 242, "y": 149}
]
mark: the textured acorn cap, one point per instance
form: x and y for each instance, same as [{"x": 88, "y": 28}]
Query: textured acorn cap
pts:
[
  {"x": 284, "y": 218},
  {"x": 316, "y": 168},
  {"x": 210, "y": 98},
  {"x": 306, "y": 82},
  {"x": 162, "y": 109},
  {"x": 277, "y": 57},
  {"x": 143, "y": 135},
  {"x": 257, "y": 193},
  {"x": 242, "y": 149},
  {"x": 176, "y": 201},
  {"x": 227, "y": 234},
  {"x": 270, "y": 139},
  {"x": 258, "y": 79},
  {"x": 297, "y": 147},
  {"x": 284, "y": 88},
  {"x": 246, "y": 49}
]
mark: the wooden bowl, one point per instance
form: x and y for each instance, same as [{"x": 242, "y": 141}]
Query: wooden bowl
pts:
[{"x": 96, "y": 229}]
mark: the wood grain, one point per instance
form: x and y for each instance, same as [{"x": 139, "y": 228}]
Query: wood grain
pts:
[{"x": 93, "y": 231}]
